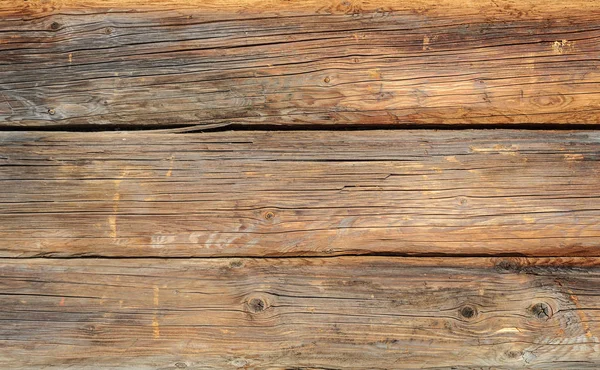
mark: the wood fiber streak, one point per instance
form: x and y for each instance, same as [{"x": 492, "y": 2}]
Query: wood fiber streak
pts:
[
  {"x": 318, "y": 313},
  {"x": 78, "y": 63},
  {"x": 317, "y": 193}
]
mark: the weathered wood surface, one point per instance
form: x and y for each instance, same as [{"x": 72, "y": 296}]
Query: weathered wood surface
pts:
[
  {"x": 234, "y": 199},
  {"x": 262, "y": 193},
  {"x": 318, "y": 313},
  {"x": 134, "y": 62}
]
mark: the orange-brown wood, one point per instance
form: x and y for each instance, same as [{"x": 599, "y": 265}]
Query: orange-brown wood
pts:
[{"x": 133, "y": 62}]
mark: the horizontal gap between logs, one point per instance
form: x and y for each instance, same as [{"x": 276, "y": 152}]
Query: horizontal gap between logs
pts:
[
  {"x": 300, "y": 127},
  {"x": 49, "y": 256}
]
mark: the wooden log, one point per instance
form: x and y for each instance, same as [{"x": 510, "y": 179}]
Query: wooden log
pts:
[
  {"x": 75, "y": 63},
  {"x": 333, "y": 313},
  {"x": 256, "y": 193}
]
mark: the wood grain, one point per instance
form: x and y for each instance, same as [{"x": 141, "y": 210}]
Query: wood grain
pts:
[
  {"x": 302, "y": 246},
  {"x": 318, "y": 313},
  {"x": 75, "y": 63},
  {"x": 257, "y": 193}
]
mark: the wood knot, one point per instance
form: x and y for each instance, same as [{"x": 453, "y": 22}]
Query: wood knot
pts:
[
  {"x": 327, "y": 80},
  {"x": 550, "y": 100},
  {"x": 541, "y": 311},
  {"x": 256, "y": 305},
  {"x": 513, "y": 354},
  {"x": 508, "y": 266},
  {"x": 91, "y": 329},
  {"x": 269, "y": 215},
  {"x": 51, "y": 111},
  {"x": 55, "y": 26},
  {"x": 108, "y": 31},
  {"x": 235, "y": 264},
  {"x": 180, "y": 365},
  {"x": 239, "y": 362},
  {"x": 468, "y": 312}
]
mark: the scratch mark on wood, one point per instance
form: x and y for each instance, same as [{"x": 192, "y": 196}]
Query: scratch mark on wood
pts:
[
  {"x": 170, "y": 171},
  {"x": 155, "y": 323},
  {"x": 112, "y": 219},
  {"x": 584, "y": 320}
]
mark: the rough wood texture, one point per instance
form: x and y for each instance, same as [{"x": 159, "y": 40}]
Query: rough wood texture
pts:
[
  {"x": 300, "y": 193},
  {"x": 505, "y": 223},
  {"x": 124, "y": 62},
  {"x": 323, "y": 313}
]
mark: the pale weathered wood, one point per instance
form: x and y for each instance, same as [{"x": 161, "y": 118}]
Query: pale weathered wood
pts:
[
  {"x": 318, "y": 313},
  {"x": 300, "y": 193},
  {"x": 134, "y": 62}
]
